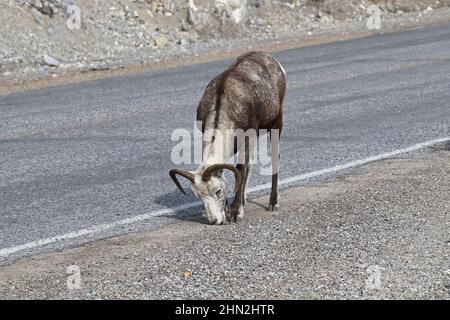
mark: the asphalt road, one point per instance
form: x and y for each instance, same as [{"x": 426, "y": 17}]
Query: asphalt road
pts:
[{"x": 85, "y": 154}]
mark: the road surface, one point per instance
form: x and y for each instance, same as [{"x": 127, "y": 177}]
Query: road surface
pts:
[{"x": 88, "y": 156}]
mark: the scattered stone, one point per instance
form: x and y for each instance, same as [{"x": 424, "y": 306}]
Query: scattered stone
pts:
[
  {"x": 50, "y": 61},
  {"x": 181, "y": 42},
  {"x": 325, "y": 19},
  {"x": 160, "y": 41},
  {"x": 197, "y": 16},
  {"x": 233, "y": 11},
  {"x": 390, "y": 7}
]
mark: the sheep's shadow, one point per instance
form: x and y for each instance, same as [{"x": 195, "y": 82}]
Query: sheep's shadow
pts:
[
  {"x": 257, "y": 203},
  {"x": 175, "y": 199}
]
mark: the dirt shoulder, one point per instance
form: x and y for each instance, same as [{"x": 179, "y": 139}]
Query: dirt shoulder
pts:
[{"x": 381, "y": 231}]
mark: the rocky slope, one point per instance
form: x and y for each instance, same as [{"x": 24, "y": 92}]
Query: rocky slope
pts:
[{"x": 42, "y": 37}]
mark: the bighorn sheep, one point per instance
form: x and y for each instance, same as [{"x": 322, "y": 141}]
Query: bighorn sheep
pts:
[{"x": 248, "y": 95}]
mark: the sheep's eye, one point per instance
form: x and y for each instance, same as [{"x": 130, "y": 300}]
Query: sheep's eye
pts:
[{"x": 218, "y": 192}]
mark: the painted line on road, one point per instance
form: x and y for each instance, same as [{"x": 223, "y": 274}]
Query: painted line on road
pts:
[{"x": 6, "y": 252}]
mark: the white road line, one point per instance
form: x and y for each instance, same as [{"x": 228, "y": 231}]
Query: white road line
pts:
[
  {"x": 352, "y": 164},
  {"x": 6, "y": 252}
]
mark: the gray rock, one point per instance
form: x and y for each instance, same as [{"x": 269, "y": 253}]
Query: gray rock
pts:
[
  {"x": 50, "y": 61},
  {"x": 197, "y": 16},
  {"x": 160, "y": 41},
  {"x": 233, "y": 11},
  {"x": 181, "y": 42}
]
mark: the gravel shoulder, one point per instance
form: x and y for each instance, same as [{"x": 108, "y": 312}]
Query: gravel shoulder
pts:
[{"x": 379, "y": 232}]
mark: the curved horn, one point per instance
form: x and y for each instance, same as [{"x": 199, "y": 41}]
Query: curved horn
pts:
[
  {"x": 210, "y": 170},
  {"x": 186, "y": 174}
]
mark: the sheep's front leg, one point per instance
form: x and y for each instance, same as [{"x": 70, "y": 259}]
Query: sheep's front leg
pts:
[
  {"x": 237, "y": 207},
  {"x": 274, "y": 198}
]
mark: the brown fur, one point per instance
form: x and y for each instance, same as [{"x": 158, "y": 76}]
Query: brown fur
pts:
[
  {"x": 250, "y": 93},
  {"x": 249, "y": 102}
]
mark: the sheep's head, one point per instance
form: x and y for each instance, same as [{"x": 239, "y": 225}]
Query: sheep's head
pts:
[{"x": 210, "y": 187}]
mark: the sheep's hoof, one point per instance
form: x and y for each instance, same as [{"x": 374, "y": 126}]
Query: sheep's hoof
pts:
[
  {"x": 236, "y": 216},
  {"x": 273, "y": 207},
  {"x": 231, "y": 218},
  {"x": 238, "y": 219}
]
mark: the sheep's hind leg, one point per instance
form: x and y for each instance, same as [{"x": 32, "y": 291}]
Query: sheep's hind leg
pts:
[{"x": 274, "y": 197}]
